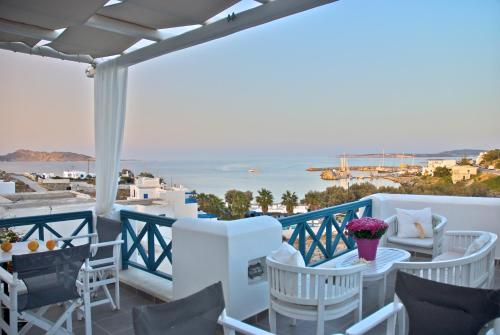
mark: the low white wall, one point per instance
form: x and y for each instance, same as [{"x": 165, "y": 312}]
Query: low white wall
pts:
[
  {"x": 463, "y": 213},
  {"x": 7, "y": 187},
  {"x": 206, "y": 252}
]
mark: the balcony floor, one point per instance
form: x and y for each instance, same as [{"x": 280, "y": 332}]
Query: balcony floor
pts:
[{"x": 106, "y": 322}]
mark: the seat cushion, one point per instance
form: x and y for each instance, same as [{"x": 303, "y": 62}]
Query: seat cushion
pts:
[
  {"x": 288, "y": 255},
  {"x": 447, "y": 256},
  {"x": 409, "y": 222},
  {"x": 426, "y": 243}
]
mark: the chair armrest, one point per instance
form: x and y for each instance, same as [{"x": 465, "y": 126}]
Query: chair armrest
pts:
[
  {"x": 6, "y": 276},
  {"x": 93, "y": 235},
  {"x": 229, "y": 323},
  {"x": 440, "y": 227},
  {"x": 105, "y": 244},
  {"x": 375, "y": 319}
]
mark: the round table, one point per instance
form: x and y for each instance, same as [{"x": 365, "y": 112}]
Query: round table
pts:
[{"x": 375, "y": 270}]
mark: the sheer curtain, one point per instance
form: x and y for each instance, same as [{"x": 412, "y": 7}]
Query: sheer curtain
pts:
[{"x": 110, "y": 95}]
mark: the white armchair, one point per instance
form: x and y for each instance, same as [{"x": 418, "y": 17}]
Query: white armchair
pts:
[
  {"x": 313, "y": 294},
  {"x": 431, "y": 245}
]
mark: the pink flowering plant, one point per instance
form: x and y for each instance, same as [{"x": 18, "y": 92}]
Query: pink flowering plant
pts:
[{"x": 367, "y": 228}]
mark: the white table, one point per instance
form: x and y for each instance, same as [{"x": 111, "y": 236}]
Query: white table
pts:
[
  {"x": 375, "y": 270},
  {"x": 20, "y": 248}
]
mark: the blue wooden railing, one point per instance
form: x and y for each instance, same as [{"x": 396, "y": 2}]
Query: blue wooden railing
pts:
[
  {"x": 41, "y": 224},
  {"x": 151, "y": 232},
  {"x": 328, "y": 219}
]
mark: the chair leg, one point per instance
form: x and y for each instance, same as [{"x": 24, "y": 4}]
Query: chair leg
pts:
[
  {"x": 272, "y": 320},
  {"x": 320, "y": 326},
  {"x": 13, "y": 316},
  {"x": 293, "y": 322},
  {"x": 87, "y": 313},
  {"x": 69, "y": 320},
  {"x": 117, "y": 287}
]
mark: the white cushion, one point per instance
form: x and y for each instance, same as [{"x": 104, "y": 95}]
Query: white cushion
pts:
[
  {"x": 407, "y": 219},
  {"x": 477, "y": 244},
  {"x": 448, "y": 256},
  {"x": 287, "y": 254},
  {"x": 426, "y": 243}
]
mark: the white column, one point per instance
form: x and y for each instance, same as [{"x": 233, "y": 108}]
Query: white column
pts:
[{"x": 110, "y": 95}]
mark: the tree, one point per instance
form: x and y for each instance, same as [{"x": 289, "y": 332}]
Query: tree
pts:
[
  {"x": 491, "y": 156},
  {"x": 464, "y": 161},
  {"x": 314, "y": 200},
  {"x": 290, "y": 200},
  {"x": 264, "y": 199},
  {"x": 211, "y": 204},
  {"x": 146, "y": 174},
  {"x": 441, "y": 172},
  {"x": 238, "y": 202}
]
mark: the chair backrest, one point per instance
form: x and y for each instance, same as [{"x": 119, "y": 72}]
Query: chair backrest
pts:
[
  {"x": 309, "y": 286},
  {"x": 437, "y": 308},
  {"x": 50, "y": 276},
  {"x": 195, "y": 314},
  {"x": 107, "y": 230}
]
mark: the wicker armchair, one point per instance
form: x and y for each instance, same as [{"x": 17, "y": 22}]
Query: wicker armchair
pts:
[{"x": 431, "y": 245}]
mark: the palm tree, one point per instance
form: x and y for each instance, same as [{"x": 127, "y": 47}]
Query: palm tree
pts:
[
  {"x": 264, "y": 199},
  {"x": 313, "y": 200},
  {"x": 290, "y": 200}
]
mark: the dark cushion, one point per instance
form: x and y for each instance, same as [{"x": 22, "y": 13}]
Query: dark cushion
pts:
[
  {"x": 195, "y": 314},
  {"x": 441, "y": 309}
]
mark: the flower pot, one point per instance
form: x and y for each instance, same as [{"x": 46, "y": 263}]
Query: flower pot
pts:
[{"x": 367, "y": 248}]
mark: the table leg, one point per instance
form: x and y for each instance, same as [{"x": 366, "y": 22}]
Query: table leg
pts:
[{"x": 382, "y": 291}]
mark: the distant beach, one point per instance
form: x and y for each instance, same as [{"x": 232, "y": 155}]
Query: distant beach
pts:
[{"x": 219, "y": 175}]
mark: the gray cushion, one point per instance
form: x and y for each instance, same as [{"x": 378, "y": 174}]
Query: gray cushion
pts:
[{"x": 195, "y": 314}]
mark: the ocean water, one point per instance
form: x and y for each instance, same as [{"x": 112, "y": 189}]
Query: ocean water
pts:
[{"x": 277, "y": 174}]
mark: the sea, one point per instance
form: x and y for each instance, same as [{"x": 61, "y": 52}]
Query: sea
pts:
[{"x": 216, "y": 176}]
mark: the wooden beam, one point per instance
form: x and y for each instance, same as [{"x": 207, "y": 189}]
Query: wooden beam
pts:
[{"x": 265, "y": 13}]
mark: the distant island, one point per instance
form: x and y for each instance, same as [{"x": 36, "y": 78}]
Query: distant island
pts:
[
  {"x": 450, "y": 153},
  {"x": 32, "y": 156}
]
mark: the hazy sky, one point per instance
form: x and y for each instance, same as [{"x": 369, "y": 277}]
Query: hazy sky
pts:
[{"x": 352, "y": 76}]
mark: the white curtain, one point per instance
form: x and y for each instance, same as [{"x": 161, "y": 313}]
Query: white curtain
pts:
[{"x": 110, "y": 95}]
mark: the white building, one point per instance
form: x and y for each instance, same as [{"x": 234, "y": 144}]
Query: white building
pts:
[
  {"x": 179, "y": 201},
  {"x": 432, "y": 164},
  {"x": 7, "y": 187},
  {"x": 462, "y": 172},
  {"x": 480, "y": 157},
  {"x": 74, "y": 174}
]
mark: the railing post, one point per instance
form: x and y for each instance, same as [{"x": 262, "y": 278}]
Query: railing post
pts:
[
  {"x": 328, "y": 237},
  {"x": 124, "y": 246},
  {"x": 151, "y": 247},
  {"x": 302, "y": 239},
  {"x": 41, "y": 235}
]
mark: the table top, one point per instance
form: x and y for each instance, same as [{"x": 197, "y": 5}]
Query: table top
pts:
[
  {"x": 20, "y": 248},
  {"x": 386, "y": 257}
]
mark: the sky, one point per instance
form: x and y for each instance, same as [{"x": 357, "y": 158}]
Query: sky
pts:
[{"x": 353, "y": 76}]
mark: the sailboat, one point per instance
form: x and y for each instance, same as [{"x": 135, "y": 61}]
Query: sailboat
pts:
[{"x": 382, "y": 168}]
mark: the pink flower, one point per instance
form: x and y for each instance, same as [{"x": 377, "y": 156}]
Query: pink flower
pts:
[{"x": 366, "y": 227}]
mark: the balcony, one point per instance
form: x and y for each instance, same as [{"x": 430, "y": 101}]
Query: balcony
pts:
[{"x": 147, "y": 255}]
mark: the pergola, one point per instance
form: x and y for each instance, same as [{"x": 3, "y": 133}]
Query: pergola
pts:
[{"x": 101, "y": 33}]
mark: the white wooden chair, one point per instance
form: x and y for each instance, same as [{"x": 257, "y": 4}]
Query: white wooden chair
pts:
[
  {"x": 313, "y": 294},
  {"x": 431, "y": 245},
  {"x": 474, "y": 270}
]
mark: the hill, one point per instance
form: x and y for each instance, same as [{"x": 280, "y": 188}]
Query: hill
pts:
[
  {"x": 454, "y": 153},
  {"x": 56, "y": 156}
]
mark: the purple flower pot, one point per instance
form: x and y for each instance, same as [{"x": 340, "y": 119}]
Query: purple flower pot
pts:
[{"x": 367, "y": 249}]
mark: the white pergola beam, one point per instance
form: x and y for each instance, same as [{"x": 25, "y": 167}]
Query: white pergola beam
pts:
[
  {"x": 124, "y": 28},
  {"x": 265, "y": 13},
  {"x": 27, "y": 30},
  {"x": 45, "y": 51}
]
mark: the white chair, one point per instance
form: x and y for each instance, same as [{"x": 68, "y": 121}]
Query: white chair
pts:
[
  {"x": 40, "y": 280},
  {"x": 453, "y": 266},
  {"x": 313, "y": 294},
  {"x": 431, "y": 245}
]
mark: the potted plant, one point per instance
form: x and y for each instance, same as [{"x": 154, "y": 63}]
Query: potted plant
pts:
[{"x": 367, "y": 233}]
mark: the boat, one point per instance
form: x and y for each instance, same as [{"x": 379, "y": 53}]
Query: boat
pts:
[{"x": 252, "y": 170}]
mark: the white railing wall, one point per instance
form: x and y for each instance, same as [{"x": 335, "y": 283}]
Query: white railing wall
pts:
[{"x": 463, "y": 213}]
